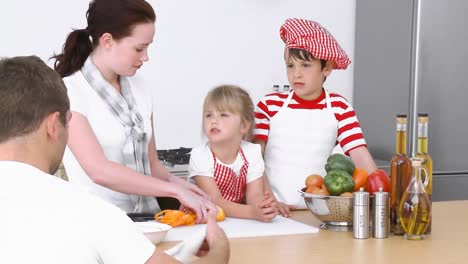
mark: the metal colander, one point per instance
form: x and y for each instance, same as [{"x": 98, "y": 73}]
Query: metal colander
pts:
[{"x": 333, "y": 210}]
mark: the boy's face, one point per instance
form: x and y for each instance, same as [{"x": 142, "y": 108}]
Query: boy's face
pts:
[{"x": 306, "y": 77}]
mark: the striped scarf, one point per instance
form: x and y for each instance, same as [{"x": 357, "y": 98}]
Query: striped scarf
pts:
[{"x": 135, "y": 149}]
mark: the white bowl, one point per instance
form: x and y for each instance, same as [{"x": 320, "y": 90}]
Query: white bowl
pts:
[{"x": 153, "y": 230}]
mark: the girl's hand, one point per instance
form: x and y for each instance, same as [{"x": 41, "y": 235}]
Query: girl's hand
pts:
[
  {"x": 267, "y": 209},
  {"x": 199, "y": 204},
  {"x": 284, "y": 209}
]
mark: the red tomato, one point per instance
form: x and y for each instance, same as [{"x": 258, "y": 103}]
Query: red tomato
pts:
[{"x": 377, "y": 179}]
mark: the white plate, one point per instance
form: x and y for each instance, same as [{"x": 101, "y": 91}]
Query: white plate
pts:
[{"x": 153, "y": 230}]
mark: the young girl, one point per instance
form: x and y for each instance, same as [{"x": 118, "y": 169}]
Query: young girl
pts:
[
  {"x": 299, "y": 129},
  {"x": 228, "y": 168}
]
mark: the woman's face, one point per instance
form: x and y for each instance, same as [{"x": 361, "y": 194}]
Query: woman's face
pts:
[{"x": 128, "y": 54}]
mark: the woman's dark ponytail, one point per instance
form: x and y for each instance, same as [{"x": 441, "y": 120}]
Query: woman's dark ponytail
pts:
[
  {"x": 76, "y": 50},
  {"x": 116, "y": 17}
]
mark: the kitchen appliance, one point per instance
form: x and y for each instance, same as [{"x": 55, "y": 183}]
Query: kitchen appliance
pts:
[
  {"x": 383, "y": 80},
  {"x": 175, "y": 160},
  {"x": 174, "y": 156}
]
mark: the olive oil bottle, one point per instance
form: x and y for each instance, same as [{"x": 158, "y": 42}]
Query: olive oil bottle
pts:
[
  {"x": 415, "y": 206},
  {"x": 400, "y": 175},
  {"x": 423, "y": 155}
]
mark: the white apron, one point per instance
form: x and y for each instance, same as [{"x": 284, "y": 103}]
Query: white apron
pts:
[{"x": 299, "y": 143}]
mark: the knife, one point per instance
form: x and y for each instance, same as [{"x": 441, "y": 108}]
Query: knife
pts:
[{"x": 140, "y": 217}]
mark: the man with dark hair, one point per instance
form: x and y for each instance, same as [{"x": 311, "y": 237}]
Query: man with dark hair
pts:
[{"x": 45, "y": 219}]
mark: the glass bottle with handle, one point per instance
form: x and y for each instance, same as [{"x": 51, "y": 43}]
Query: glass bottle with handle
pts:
[
  {"x": 423, "y": 154},
  {"x": 415, "y": 206}
]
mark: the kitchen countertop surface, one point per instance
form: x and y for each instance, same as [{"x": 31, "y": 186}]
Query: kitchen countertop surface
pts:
[{"x": 447, "y": 243}]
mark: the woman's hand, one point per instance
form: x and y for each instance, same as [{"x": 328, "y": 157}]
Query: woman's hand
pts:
[
  {"x": 194, "y": 188},
  {"x": 199, "y": 204},
  {"x": 266, "y": 209}
]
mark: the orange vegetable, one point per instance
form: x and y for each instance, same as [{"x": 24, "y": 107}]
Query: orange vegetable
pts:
[
  {"x": 324, "y": 187},
  {"x": 314, "y": 180},
  {"x": 360, "y": 178},
  {"x": 312, "y": 189},
  {"x": 177, "y": 218},
  {"x": 321, "y": 192},
  {"x": 220, "y": 216},
  {"x": 346, "y": 194}
]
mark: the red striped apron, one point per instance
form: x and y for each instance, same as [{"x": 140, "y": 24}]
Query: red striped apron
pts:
[{"x": 231, "y": 186}]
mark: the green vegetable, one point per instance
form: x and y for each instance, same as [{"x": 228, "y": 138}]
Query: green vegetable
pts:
[
  {"x": 338, "y": 182},
  {"x": 340, "y": 162}
]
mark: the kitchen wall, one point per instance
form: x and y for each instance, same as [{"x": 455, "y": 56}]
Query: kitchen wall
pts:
[{"x": 198, "y": 45}]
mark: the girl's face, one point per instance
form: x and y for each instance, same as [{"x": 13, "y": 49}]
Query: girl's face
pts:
[
  {"x": 306, "y": 77},
  {"x": 128, "y": 54},
  {"x": 223, "y": 126}
]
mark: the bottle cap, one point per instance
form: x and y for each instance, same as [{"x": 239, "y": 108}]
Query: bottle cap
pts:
[
  {"x": 361, "y": 197},
  {"x": 381, "y": 197}
]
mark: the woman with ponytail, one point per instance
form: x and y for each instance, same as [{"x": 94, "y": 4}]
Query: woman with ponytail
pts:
[{"x": 111, "y": 148}]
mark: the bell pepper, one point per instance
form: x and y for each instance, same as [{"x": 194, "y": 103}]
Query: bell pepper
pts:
[
  {"x": 360, "y": 179},
  {"x": 175, "y": 218},
  {"x": 376, "y": 180},
  {"x": 338, "y": 182},
  {"x": 340, "y": 162}
]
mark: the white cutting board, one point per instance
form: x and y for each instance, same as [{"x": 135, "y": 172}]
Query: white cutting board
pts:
[{"x": 235, "y": 227}]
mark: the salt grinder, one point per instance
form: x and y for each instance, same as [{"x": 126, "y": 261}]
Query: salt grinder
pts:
[
  {"x": 361, "y": 214},
  {"x": 381, "y": 224}
]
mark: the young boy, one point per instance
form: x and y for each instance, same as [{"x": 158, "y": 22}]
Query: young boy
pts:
[{"x": 299, "y": 129}]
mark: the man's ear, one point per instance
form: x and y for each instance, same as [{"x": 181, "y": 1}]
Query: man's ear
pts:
[
  {"x": 52, "y": 123},
  {"x": 106, "y": 40},
  {"x": 328, "y": 68}
]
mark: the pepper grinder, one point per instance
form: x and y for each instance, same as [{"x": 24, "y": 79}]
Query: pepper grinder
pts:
[
  {"x": 361, "y": 214},
  {"x": 381, "y": 227}
]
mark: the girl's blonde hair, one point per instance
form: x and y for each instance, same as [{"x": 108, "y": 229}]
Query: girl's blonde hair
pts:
[{"x": 232, "y": 99}]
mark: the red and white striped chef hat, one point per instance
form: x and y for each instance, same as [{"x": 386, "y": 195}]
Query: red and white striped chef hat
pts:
[{"x": 312, "y": 37}]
